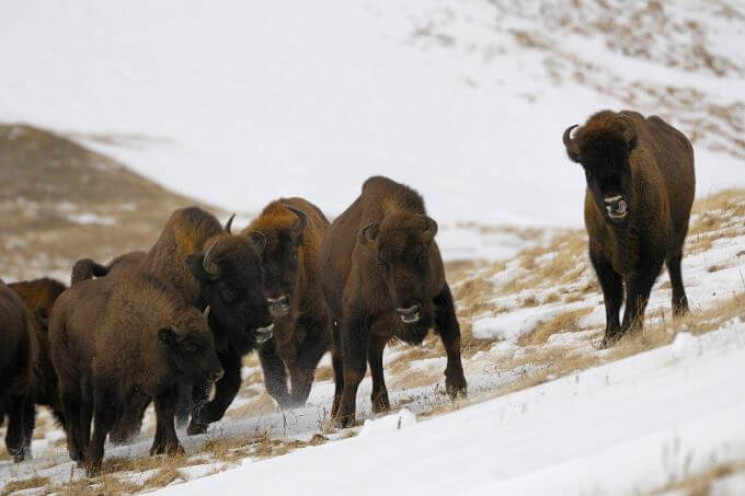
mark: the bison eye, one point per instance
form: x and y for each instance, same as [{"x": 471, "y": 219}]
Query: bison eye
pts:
[
  {"x": 421, "y": 259},
  {"x": 190, "y": 347},
  {"x": 228, "y": 295}
]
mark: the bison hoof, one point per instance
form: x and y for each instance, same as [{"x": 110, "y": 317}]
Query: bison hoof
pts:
[
  {"x": 18, "y": 455},
  {"x": 457, "y": 389},
  {"x": 196, "y": 428},
  {"x": 610, "y": 339},
  {"x": 93, "y": 469},
  {"x": 344, "y": 421}
]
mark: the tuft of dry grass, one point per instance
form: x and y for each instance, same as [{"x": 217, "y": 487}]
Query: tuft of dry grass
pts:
[
  {"x": 699, "y": 484},
  {"x": 24, "y": 484},
  {"x": 565, "y": 322}
]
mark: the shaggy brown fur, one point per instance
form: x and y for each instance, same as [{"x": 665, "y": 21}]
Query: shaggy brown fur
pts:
[
  {"x": 302, "y": 328},
  {"x": 86, "y": 268},
  {"x": 212, "y": 268},
  {"x": 17, "y": 356},
  {"x": 640, "y": 188},
  {"x": 117, "y": 340},
  {"x": 39, "y": 297},
  {"x": 383, "y": 277}
]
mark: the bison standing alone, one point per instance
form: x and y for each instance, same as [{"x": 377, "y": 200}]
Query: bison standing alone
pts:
[
  {"x": 383, "y": 277},
  {"x": 293, "y": 229},
  {"x": 640, "y": 189}
]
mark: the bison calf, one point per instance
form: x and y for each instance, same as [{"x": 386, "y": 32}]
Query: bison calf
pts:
[
  {"x": 383, "y": 277},
  {"x": 293, "y": 229},
  {"x": 640, "y": 188},
  {"x": 17, "y": 356},
  {"x": 125, "y": 340}
]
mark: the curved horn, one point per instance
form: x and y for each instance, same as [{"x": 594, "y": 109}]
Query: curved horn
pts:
[
  {"x": 301, "y": 215},
  {"x": 209, "y": 266},
  {"x": 229, "y": 224},
  {"x": 569, "y": 143},
  {"x": 430, "y": 229},
  {"x": 627, "y": 128}
]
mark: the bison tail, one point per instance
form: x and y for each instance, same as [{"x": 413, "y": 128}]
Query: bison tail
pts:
[{"x": 85, "y": 269}]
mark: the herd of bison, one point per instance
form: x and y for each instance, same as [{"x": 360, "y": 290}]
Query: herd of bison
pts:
[{"x": 171, "y": 324}]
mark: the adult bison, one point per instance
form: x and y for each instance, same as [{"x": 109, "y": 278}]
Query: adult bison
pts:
[
  {"x": 39, "y": 297},
  {"x": 383, "y": 277},
  {"x": 640, "y": 188},
  {"x": 121, "y": 339},
  {"x": 220, "y": 273},
  {"x": 293, "y": 229},
  {"x": 17, "y": 357}
]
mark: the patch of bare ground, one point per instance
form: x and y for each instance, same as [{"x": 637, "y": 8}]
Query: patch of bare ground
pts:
[
  {"x": 700, "y": 484},
  {"x": 60, "y": 201}
]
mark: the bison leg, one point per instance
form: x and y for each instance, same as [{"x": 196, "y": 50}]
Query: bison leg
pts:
[
  {"x": 14, "y": 441},
  {"x": 166, "y": 440},
  {"x": 275, "y": 376},
  {"x": 71, "y": 405},
  {"x": 354, "y": 339},
  {"x": 680, "y": 300},
  {"x": 104, "y": 413},
  {"x": 338, "y": 364},
  {"x": 612, "y": 285},
  {"x": 639, "y": 286},
  {"x": 379, "y": 398},
  {"x": 446, "y": 325},
  {"x": 225, "y": 391},
  {"x": 302, "y": 372},
  {"x": 29, "y": 422}
]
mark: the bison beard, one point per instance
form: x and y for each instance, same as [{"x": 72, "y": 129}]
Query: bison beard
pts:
[
  {"x": 383, "y": 278},
  {"x": 640, "y": 189}
]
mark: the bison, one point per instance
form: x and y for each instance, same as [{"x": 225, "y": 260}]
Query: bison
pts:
[
  {"x": 17, "y": 356},
  {"x": 219, "y": 272},
  {"x": 293, "y": 229},
  {"x": 640, "y": 188},
  {"x": 39, "y": 297},
  {"x": 122, "y": 339},
  {"x": 383, "y": 277}
]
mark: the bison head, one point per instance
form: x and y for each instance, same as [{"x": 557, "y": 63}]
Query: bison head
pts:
[
  {"x": 189, "y": 346},
  {"x": 280, "y": 260},
  {"x": 231, "y": 280},
  {"x": 402, "y": 247},
  {"x": 603, "y": 148}
]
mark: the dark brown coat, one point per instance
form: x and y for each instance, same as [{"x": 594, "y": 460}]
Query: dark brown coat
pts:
[
  {"x": 120, "y": 339},
  {"x": 640, "y": 189},
  {"x": 39, "y": 297},
  {"x": 293, "y": 229},
  {"x": 17, "y": 356},
  {"x": 86, "y": 268},
  {"x": 383, "y": 277},
  {"x": 210, "y": 267}
]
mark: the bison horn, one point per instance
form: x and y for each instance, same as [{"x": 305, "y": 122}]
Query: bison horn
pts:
[
  {"x": 301, "y": 215},
  {"x": 209, "y": 266},
  {"x": 627, "y": 129},
  {"x": 569, "y": 143},
  {"x": 430, "y": 229},
  {"x": 259, "y": 240},
  {"x": 229, "y": 224}
]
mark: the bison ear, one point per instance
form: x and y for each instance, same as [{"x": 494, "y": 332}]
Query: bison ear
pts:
[
  {"x": 369, "y": 233},
  {"x": 628, "y": 131},
  {"x": 429, "y": 231},
  {"x": 167, "y": 337},
  {"x": 259, "y": 240}
]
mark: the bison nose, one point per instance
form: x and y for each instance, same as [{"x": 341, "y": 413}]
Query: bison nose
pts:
[
  {"x": 409, "y": 315},
  {"x": 616, "y": 207},
  {"x": 216, "y": 375},
  {"x": 279, "y": 306}
]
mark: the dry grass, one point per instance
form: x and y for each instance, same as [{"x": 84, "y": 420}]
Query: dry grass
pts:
[
  {"x": 21, "y": 485},
  {"x": 700, "y": 484},
  {"x": 565, "y": 322}
]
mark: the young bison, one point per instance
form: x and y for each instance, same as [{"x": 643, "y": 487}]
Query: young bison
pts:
[
  {"x": 17, "y": 356},
  {"x": 39, "y": 297},
  {"x": 123, "y": 339},
  {"x": 215, "y": 270},
  {"x": 640, "y": 188},
  {"x": 293, "y": 229},
  {"x": 383, "y": 277}
]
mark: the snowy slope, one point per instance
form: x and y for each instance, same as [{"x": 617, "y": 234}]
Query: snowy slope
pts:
[
  {"x": 659, "y": 416},
  {"x": 239, "y": 102}
]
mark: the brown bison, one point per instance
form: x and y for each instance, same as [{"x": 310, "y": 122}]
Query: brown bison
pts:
[
  {"x": 120, "y": 339},
  {"x": 215, "y": 270},
  {"x": 17, "y": 357},
  {"x": 383, "y": 277},
  {"x": 293, "y": 229},
  {"x": 86, "y": 268},
  {"x": 39, "y": 297},
  {"x": 640, "y": 188}
]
